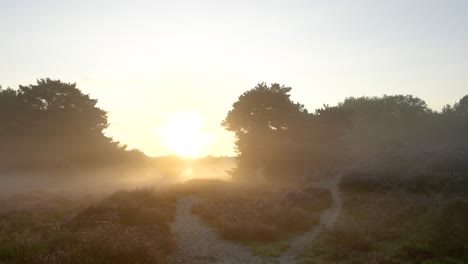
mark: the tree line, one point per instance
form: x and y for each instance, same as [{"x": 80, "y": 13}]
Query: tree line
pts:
[
  {"x": 53, "y": 123},
  {"x": 279, "y": 138}
]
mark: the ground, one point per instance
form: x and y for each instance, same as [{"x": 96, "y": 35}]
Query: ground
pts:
[{"x": 198, "y": 243}]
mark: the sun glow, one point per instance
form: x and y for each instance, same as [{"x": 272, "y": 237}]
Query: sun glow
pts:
[{"x": 183, "y": 135}]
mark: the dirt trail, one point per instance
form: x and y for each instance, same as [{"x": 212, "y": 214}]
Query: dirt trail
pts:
[
  {"x": 198, "y": 243},
  {"x": 327, "y": 218}
]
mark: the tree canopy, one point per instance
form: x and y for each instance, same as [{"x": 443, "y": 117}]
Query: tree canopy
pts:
[
  {"x": 52, "y": 122},
  {"x": 277, "y": 137}
]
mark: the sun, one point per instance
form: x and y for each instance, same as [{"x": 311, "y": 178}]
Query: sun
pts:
[{"x": 183, "y": 134}]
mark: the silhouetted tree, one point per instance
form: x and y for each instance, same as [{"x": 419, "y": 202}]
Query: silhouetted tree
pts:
[
  {"x": 462, "y": 106},
  {"x": 379, "y": 122},
  {"x": 326, "y": 129},
  {"x": 64, "y": 103},
  {"x": 278, "y": 138},
  {"x": 52, "y": 122},
  {"x": 453, "y": 122},
  {"x": 265, "y": 121}
]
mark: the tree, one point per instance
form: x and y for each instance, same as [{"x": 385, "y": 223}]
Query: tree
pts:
[
  {"x": 461, "y": 107},
  {"x": 11, "y": 110},
  {"x": 380, "y": 122},
  {"x": 325, "y": 130},
  {"x": 63, "y": 100},
  {"x": 265, "y": 121},
  {"x": 454, "y": 120},
  {"x": 51, "y": 122}
]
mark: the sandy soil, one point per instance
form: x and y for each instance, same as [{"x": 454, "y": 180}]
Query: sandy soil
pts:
[
  {"x": 327, "y": 218},
  {"x": 198, "y": 243}
]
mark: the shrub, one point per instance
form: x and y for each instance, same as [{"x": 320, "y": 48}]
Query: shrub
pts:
[
  {"x": 450, "y": 231},
  {"x": 127, "y": 227},
  {"x": 255, "y": 219},
  {"x": 395, "y": 227}
]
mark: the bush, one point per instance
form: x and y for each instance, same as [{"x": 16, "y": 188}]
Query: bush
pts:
[
  {"x": 439, "y": 169},
  {"x": 255, "y": 219},
  {"x": 257, "y": 211}
]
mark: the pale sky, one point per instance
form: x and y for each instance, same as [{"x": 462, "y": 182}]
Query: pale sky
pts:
[{"x": 145, "y": 60}]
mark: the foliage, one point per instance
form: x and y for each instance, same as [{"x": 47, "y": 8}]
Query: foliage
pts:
[
  {"x": 394, "y": 226},
  {"x": 255, "y": 219},
  {"x": 277, "y": 137},
  {"x": 249, "y": 212},
  {"x": 405, "y": 179},
  {"x": 127, "y": 227},
  {"x": 264, "y": 120},
  {"x": 53, "y": 123},
  {"x": 430, "y": 170}
]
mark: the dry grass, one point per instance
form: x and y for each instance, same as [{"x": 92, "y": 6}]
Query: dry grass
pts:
[
  {"x": 249, "y": 212},
  {"x": 255, "y": 219},
  {"x": 127, "y": 227},
  {"x": 395, "y": 227},
  {"x": 205, "y": 188}
]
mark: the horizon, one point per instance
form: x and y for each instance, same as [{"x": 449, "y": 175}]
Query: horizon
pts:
[{"x": 147, "y": 61}]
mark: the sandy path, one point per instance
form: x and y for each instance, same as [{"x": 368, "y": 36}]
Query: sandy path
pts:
[
  {"x": 198, "y": 243},
  {"x": 327, "y": 218}
]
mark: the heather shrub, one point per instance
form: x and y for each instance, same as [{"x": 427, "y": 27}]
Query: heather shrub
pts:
[
  {"x": 127, "y": 227},
  {"x": 450, "y": 230},
  {"x": 436, "y": 169},
  {"x": 255, "y": 219},
  {"x": 395, "y": 226},
  {"x": 258, "y": 211}
]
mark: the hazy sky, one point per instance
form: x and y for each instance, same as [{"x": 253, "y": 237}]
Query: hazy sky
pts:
[{"x": 145, "y": 60}]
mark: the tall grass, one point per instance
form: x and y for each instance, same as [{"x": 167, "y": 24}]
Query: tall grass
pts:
[
  {"x": 249, "y": 212},
  {"x": 127, "y": 227},
  {"x": 255, "y": 219},
  {"x": 395, "y": 227}
]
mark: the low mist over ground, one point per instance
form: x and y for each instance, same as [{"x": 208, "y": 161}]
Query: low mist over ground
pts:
[{"x": 100, "y": 181}]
